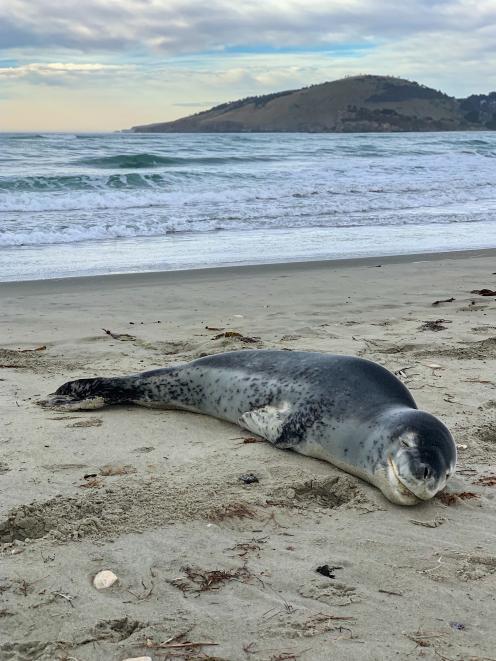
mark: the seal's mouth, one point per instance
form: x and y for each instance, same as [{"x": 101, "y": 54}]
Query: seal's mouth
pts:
[{"x": 401, "y": 487}]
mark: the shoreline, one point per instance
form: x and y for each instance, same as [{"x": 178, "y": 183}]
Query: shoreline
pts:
[{"x": 240, "y": 269}]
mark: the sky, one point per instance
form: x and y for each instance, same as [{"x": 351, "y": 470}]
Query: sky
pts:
[{"x": 105, "y": 65}]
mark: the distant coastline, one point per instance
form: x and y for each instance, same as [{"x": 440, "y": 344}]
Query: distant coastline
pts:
[{"x": 356, "y": 104}]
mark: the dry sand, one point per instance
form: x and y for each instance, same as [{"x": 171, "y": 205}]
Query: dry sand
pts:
[{"x": 201, "y": 557}]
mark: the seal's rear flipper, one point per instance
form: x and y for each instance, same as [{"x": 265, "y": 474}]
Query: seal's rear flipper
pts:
[
  {"x": 267, "y": 421},
  {"x": 67, "y": 403},
  {"x": 89, "y": 394}
]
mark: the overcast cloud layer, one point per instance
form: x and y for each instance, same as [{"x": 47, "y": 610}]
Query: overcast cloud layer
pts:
[{"x": 177, "y": 52}]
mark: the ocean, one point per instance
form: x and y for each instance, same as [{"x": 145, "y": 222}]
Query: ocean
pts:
[{"x": 81, "y": 204}]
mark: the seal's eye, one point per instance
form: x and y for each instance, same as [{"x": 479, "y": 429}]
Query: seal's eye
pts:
[{"x": 408, "y": 439}]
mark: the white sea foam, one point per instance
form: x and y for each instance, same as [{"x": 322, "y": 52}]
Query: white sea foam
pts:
[{"x": 57, "y": 189}]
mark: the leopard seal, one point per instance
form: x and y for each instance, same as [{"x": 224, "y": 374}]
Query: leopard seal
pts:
[{"x": 348, "y": 411}]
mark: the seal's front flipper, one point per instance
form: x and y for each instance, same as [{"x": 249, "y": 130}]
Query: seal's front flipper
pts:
[{"x": 267, "y": 421}]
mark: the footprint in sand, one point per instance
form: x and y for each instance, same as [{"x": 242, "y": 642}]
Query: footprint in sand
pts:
[
  {"x": 90, "y": 422},
  {"x": 480, "y": 350},
  {"x": 329, "y": 592}
]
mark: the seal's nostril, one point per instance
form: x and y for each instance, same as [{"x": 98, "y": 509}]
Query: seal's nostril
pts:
[{"x": 426, "y": 473}]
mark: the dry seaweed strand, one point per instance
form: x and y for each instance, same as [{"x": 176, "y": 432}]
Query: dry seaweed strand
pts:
[
  {"x": 452, "y": 498},
  {"x": 92, "y": 483},
  {"x": 243, "y": 548},
  {"x": 200, "y": 580},
  {"x": 177, "y": 647},
  {"x": 231, "y": 511},
  {"x": 67, "y": 597},
  {"x": 241, "y": 338},
  {"x": 285, "y": 656},
  {"x": 250, "y": 648},
  {"x": 147, "y": 591},
  {"x": 248, "y": 439},
  {"x": 324, "y": 617},
  {"x": 118, "y": 336},
  {"x": 24, "y": 586},
  {"x": 434, "y": 325},
  {"x": 278, "y": 656},
  {"x": 435, "y": 523},
  {"x": 478, "y": 381},
  {"x": 444, "y": 300},
  {"x": 487, "y": 481},
  {"x": 187, "y": 655},
  {"x": 424, "y": 638}
]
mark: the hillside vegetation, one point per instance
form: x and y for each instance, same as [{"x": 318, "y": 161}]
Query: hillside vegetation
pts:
[{"x": 354, "y": 104}]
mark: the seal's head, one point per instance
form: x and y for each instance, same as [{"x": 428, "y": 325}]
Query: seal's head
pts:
[{"x": 420, "y": 457}]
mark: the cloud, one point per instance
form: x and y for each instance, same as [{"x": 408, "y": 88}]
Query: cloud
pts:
[
  {"x": 257, "y": 77},
  {"x": 151, "y": 59},
  {"x": 185, "y": 26},
  {"x": 257, "y": 43},
  {"x": 58, "y": 73},
  {"x": 197, "y": 104}
]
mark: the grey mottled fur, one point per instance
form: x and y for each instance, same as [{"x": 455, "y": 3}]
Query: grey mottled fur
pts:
[{"x": 346, "y": 410}]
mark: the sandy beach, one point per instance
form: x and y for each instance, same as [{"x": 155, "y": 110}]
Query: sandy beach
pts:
[{"x": 211, "y": 568}]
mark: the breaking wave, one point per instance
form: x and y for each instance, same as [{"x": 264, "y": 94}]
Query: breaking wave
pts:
[
  {"x": 136, "y": 161},
  {"x": 58, "y": 189}
]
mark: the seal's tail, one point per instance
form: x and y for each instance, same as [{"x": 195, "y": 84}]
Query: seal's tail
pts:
[{"x": 87, "y": 394}]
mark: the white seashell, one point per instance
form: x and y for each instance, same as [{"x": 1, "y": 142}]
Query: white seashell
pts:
[
  {"x": 462, "y": 446},
  {"x": 104, "y": 579},
  {"x": 138, "y": 658}
]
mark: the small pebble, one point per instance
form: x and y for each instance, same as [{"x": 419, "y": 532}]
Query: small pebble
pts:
[
  {"x": 138, "y": 658},
  {"x": 327, "y": 571},
  {"x": 457, "y": 626},
  {"x": 104, "y": 579},
  {"x": 249, "y": 478}
]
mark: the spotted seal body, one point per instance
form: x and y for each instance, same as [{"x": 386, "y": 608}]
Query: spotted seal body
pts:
[{"x": 348, "y": 411}]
